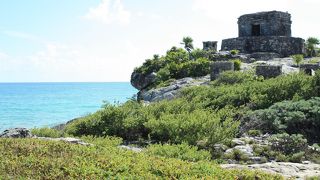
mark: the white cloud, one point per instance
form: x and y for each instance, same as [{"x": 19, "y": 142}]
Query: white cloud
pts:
[
  {"x": 3, "y": 56},
  {"x": 108, "y": 12}
]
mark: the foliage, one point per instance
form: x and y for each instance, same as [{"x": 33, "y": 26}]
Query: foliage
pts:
[
  {"x": 288, "y": 144},
  {"x": 311, "y": 44},
  {"x": 177, "y": 63},
  {"x": 187, "y": 43},
  {"x": 254, "y": 133},
  {"x": 233, "y": 77},
  {"x": 253, "y": 94},
  {"x": 174, "y": 121},
  {"x": 237, "y": 155},
  {"x": 234, "y": 52},
  {"x": 47, "y": 132},
  {"x": 237, "y": 64},
  {"x": 297, "y": 58},
  {"x": 300, "y": 117},
  {"x": 180, "y": 151},
  {"x": 38, "y": 159}
]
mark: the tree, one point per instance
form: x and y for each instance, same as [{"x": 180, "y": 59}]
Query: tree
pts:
[
  {"x": 298, "y": 58},
  {"x": 311, "y": 44},
  {"x": 188, "y": 44}
]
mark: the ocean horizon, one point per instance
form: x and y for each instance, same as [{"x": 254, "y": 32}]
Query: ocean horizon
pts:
[{"x": 45, "y": 104}]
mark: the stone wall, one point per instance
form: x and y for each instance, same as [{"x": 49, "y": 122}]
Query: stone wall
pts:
[
  {"x": 309, "y": 68},
  {"x": 285, "y": 46},
  {"x": 219, "y": 67},
  {"x": 210, "y": 46},
  {"x": 268, "y": 71},
  {"x": 272, "y": 23}
]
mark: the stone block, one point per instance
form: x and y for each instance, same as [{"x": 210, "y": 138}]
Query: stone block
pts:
[
  {"x": 268, "y": 71},
  {"x": 219, "y": 67}
]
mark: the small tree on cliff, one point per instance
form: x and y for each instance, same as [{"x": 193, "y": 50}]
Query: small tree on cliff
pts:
[
  {"x": 311, "y": 44},
  {"x": 188, "y": 44}
]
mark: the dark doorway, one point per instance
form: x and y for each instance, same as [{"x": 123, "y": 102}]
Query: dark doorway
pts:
[{"x": 256, "y": 30}]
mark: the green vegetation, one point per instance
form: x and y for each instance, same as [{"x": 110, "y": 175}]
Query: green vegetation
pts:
[
  {"x": 181, "y": 151},
  {"x": 47, "y": 132},
  {"x": 293, "y": 117},
  {"x": 237, "y": 64},
  {"x": 298, "y": 58},
  {"x": 311, "y": 46},
  {"x": 177, "y": 63},
  {"x": 38, "y": 159},
  {"x": 234, "y": 52}
]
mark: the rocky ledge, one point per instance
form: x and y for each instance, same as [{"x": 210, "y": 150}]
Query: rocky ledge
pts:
[
  {"x": 288, "y": 170},
  {"x": 171, "y": 91},
  {"x": 25, "y": 133}
]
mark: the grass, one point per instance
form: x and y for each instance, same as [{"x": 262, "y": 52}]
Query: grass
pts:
[{"x": 38, "y": 159}]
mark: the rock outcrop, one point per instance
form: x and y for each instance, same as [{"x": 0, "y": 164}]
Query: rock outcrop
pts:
[
  {"x": 288, "y": 170},
  {"x": 16, "y": 133},
  {"x": 141, "y": 81},
  {"x": 171, "y": 91}
]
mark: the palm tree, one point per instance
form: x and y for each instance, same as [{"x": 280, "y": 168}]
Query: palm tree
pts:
[
  {"x": 188, "y": 44},
  {"x": 311, "y": 45}
]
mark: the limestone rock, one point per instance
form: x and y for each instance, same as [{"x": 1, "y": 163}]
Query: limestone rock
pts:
[
  {"x": 245, "y": 149},
  {"x": 67, "y": 140},
  {"x": 141, "y": 81},
  {"x": 171, "y": 91},
  {"x": 295, "y": 170},
  {"x": 16, "y": 133}
]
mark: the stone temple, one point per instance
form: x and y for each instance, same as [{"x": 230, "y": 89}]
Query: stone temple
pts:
[{"x": 265, "y": 32}]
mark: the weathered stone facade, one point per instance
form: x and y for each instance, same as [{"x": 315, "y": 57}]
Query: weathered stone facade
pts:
[
  {"x": 310, "y": 68},
  {"x": 210, "y": 46},
  {"x": 268, "y": 71},
  {"x": 265, "y": 32},
  {"x": 219, "y": 67}
]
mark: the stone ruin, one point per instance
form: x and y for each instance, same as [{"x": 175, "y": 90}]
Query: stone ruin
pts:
[
  {"x": 265, "y": 32},
  {"x": 268, "y": 71},
  {"x": 210, "y": 46},
  {"x": 310, "y": 68},
  {"x": 219, "y": 67}
]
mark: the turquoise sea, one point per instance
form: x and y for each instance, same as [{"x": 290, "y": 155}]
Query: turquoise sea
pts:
[{"x": 47, "y": 104}]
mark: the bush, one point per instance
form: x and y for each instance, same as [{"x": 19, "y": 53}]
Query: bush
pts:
[
  {"x": 234, "y": 52},
  {"x": 193, "y": 126},
  {"x": 253, "y": 94},
  {"x": 237, "y": 64},
  {"x": 288, "y": 144},
  {"x": 298, "y": 58},
  {"x": 293, "y": 117},
  {"x": 38, "y": 159},
  {"x": 46, "y": 132},
  {"x": 254, "y": 133},
  {"x": 237, "y": 155},
  {"x": 297, "y": 157},
  {"x": 233, "y": 77},
  {"x": 181, "y": 151}
]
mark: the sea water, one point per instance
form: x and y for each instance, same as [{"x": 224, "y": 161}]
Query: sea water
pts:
[{"x": 32, "y": 105}]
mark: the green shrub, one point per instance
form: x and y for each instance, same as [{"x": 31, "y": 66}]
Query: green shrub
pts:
[
  {"x": 237, "y": 64},
  {"x": 234, "y": 52},
  {"x": 233, "y": 77},
  {"x": 46, "y": 132},
  {"x": 181, "y": 151},
  {"x": 38, "y": 159},
  {"x": 297, "y": 157},
  {"x": 254, "y": 133},
  {"x": 288, "y": 144},
  {"x": 193, "y": 126},
  {"x": 237, "y": 155},
  {"x": 293, "y": 117},
  {"x": 254, "y": 94},
  {"x": 297, "y": 58}
]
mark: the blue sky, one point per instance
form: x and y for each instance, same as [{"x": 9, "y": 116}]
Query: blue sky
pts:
[{"x": 103, "y": 40}]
